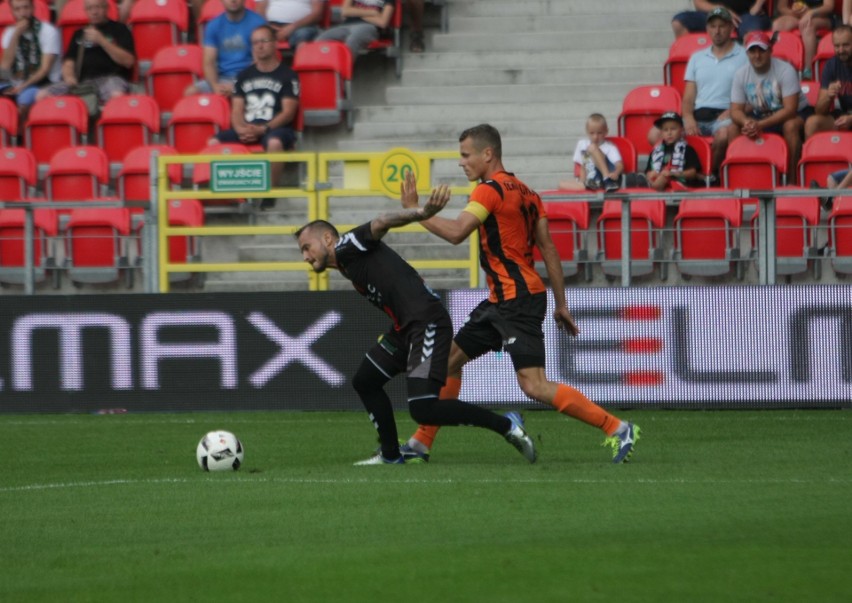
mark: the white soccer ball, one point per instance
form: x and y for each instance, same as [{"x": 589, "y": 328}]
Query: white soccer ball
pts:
[{"x": 219, "y": 451}]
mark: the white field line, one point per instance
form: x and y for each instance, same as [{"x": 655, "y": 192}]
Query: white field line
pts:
[
  {"x": 675, "y": 416},
  {"x": 354, "y": 481}
]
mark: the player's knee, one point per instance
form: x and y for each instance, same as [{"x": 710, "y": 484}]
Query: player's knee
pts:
[
  {"x": 421, "y": 411},
  {"x": 364, "y": 383}
]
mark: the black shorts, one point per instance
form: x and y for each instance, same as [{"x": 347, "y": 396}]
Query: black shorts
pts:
[
  {"x": 422, "y": 350},
  {"x": 514, "y": 326}
]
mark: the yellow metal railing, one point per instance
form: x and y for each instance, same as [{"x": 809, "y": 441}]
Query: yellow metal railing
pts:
[{"x": 363, "y": 175}]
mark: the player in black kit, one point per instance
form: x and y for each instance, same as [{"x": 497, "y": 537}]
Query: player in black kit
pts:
[{"x": 418, "y": 342}]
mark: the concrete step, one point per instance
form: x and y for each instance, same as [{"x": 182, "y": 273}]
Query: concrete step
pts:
[
  {"x": 521, "y": 8},
  {"x": 453, "y": 127},
  {"x": 536, "y": 76},
  {"x": 532, "y": 146},
  {"x": 591, "y": 56},
  {"x": 554, "y": 40},
  {"x": 472, "y": 114},
  {"x": 523, "y": 95},
  {"x": 569, "y": 24}
]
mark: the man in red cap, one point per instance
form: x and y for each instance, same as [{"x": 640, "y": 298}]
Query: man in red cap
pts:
[{"x": 766, "y": 97}]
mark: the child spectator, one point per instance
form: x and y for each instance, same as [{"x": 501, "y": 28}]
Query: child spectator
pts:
[
  {"x": 597, "y": 161},
  {"x": 673, "y": 164}
]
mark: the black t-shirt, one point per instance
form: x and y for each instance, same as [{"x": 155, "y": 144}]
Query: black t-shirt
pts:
[
  {"x": 387, "y": 281},
  {"x": 836, "y": 71},
  {"x": 690, "y": 160},
  {"x": 264, "y": 91},
  {"x": 96, "y": 61},
  {"x": 739, "y": 7}
]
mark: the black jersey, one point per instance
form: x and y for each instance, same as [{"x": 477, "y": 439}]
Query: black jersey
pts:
[
  {"x": 264, "y": 91},
  {"x": 387, "y": 281}
]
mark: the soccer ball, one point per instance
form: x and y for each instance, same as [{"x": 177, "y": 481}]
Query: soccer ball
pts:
[{"x": 219, "y": 451}]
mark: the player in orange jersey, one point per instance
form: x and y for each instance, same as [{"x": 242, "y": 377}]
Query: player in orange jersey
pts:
[{"x": 511, "y": 220}]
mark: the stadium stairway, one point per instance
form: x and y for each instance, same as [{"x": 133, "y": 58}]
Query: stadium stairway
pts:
[{"x": 533, "y": 68}]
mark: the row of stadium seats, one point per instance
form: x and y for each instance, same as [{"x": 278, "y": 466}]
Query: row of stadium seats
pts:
[
  {"x": 92, "y": 246},
  {"x": 53, "y": 123},
  {"x": 706, "y": 235},
  {"x": 788, "y": 46},
  {"x": 755, "y": 164},
  {"x": 160, "y": 24}
]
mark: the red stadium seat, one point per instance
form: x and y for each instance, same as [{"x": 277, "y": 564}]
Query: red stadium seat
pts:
[
  {"x": 183, "y": 249},
  {"x": 127, "y": 122},
  {"x": 824, "y": 153},
  {"x": 788, "y": 46},
  {"x": 755, "y": 164},
  {"x": 12, "y": 250},
  {"x": 325, "y": 83},
  {"x": 640, "y": 108},
  {"x": 810, "y": 88},
  {"x": 8, "y": 120},
  {"x": 18, "y": 174},
  {"x": 705, "y": 153},
  {"x": 627, "y": 150},
  {"x": 390, "y": 44},
  {"x": 796, "y": 222},
  {"x": 157, "y": 24},
  {"x": 825, "y": 50},
  {"x": 134, "y": 178},
  {"x": 55, "y": 123},
  {"x": 77, "y": 174},
  {"x": 96, "y": 245},
  {"x": 569, "y": 226},
  {"x": 840, "y": 235},
  {"x": 172, "y": 71},
  {"x": 195, "y": 119},
  {"x": 679, "y": 52},
  {"x": 706, "y": 237},
  {"x": 73, "y": 16},
  {"x": 648, "y": 219}
]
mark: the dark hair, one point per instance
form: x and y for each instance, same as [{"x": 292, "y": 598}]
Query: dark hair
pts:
[
  {"x": 266, "y": 28},
  {"x": 483, "y": 136},
  {"x": 843, "y": 27},
  {"x": 320, "y": 225}
]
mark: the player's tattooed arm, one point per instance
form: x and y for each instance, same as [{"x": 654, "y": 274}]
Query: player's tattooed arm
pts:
[{"x": 437, "y": 201}]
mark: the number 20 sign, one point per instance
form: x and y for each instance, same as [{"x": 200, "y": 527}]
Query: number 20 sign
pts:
[{"x": 390, "y": 170}]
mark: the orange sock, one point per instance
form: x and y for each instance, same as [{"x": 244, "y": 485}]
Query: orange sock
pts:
[
  {"x": 572, "y": 402},
  {"x": 425, "y": 434}
]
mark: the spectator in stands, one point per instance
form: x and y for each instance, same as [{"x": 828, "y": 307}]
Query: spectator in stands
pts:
[
  {"x": 227, "y": 48},
  {"x": 707, "y": 85},
  {"x": 31, "y": 50},
  {"x": 102, "y": 53},
  {"x": 598, "y": 161},
  {"x": 363, "y": 23},
  {"x": 265, "y": 101},
  {"x": 841, "y": 179},
  {"x": 415, "y": 10},
  {"x": 766, "y": 97},
  {"x": 294, "y": 21},
  {"x": 673, "y": 164},
  {"x": 808, "y": 17},
  {"x": 835, "y": 88},
  {"x": 747, "y": 15}
]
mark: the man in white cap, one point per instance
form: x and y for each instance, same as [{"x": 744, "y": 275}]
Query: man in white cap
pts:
[{"x": 766, "y": 97}]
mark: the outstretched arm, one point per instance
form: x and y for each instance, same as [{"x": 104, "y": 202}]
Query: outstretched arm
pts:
[
  {"x": 437, "y": 201},
  {"x": 553, "y": 265},
  {"x": 454, "y": 231}
]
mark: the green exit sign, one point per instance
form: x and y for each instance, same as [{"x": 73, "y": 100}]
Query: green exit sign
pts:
[{"x": 239, "y": 176}]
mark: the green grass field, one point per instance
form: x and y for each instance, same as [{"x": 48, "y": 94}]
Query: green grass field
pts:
[{"x": 716, "y": 506}]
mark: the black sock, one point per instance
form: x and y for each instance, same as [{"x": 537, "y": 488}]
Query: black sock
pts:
[
  {"x": 432, "y": 411},
  {"x": 369, "y": 382}
]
